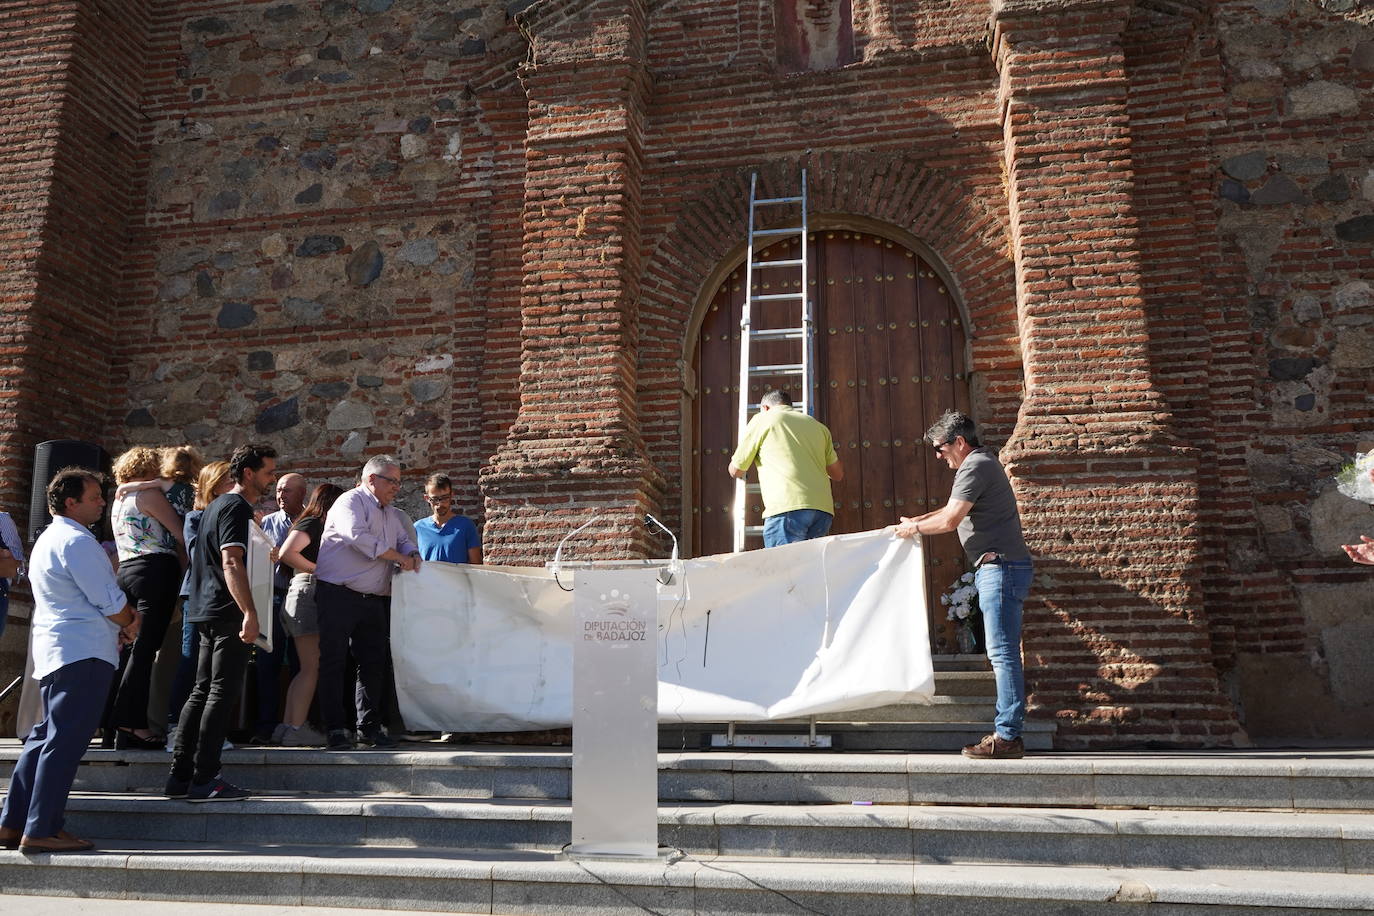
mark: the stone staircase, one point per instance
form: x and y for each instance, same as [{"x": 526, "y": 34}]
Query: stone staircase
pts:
[
  {"x": 960, "y": 713},
  {"x": 478, "y": 830}
]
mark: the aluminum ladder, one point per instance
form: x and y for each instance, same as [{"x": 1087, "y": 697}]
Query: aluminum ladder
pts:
[{"x": 801, "y": 330}]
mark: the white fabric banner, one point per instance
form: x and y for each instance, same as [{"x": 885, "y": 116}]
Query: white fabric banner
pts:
[{"x": 815, "y": 628}]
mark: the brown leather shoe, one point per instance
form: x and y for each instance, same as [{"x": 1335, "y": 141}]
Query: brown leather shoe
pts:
[
  {"x": 62, "y": 842},
  {"x": 9, "y": 838},
  {"x": 995, "y": 748}
]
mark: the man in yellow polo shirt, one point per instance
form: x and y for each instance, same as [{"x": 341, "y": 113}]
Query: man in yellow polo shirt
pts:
[{"x": 797, "y": 461}]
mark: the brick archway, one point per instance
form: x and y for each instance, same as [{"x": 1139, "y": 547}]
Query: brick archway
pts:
[
  {"x": 890, "y": 358},
  {"x": 958, "y": 231}
]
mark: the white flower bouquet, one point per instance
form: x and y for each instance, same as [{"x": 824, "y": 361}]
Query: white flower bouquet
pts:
[
  {"x": 1355, "y": 479},
  {"x": 961, "y": 599}
]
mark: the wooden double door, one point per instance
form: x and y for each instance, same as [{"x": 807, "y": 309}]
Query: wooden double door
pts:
[{"x": 890, "y": 347}]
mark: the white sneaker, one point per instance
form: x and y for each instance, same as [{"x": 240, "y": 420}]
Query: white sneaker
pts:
[{"x": 302, "y": 736}]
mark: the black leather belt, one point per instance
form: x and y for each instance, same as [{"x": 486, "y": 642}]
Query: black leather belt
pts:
[{"x": 353, "y": 590}]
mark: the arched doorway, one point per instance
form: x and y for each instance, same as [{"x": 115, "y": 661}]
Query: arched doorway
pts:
[{"x": 890, "y": 347}]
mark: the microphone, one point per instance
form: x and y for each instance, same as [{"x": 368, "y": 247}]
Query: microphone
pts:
[{"x": 650, "y": 520}]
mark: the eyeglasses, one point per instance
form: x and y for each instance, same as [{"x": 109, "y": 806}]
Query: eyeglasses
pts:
[
  {"x": 940, "y": 447},
  {"x": 441, "y": 498},
  {"x": 394, "y": 481}
]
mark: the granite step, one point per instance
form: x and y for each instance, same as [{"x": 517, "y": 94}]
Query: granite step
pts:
[
  {"x": 973, "y": 711},
  {"x": 974, "y": 682},
  {"x": 946, "y": 725},
  {"x": 44, "y": 905},
  {"x": 1311, "y": 842},
  {"x": 538, "y": 883},
  {"x": 1234, "y": 780}
]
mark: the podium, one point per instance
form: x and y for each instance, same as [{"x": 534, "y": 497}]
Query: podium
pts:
[{"x": 615, "y": 712}]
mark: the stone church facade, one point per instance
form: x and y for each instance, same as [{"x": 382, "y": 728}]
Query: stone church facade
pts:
[{"x": 1135, "y": 238}]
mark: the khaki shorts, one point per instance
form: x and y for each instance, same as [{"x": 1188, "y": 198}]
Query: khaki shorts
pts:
[{"x": 299, "y": 616}]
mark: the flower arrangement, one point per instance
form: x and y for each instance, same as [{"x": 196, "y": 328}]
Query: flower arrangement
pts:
[
  {"x": 1356, "y": 479},
  {"x": 962, "y": 600}
]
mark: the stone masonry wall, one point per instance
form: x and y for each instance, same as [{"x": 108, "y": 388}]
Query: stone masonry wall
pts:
[
  {"x": 323, "y": 242},
  {"x": 1292, "y": 170}
]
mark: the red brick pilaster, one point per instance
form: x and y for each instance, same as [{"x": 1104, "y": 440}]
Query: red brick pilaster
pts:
[
  {"x": 576, "y": 447},
  {"x": 69, "y": 132},
  {"x": 1116, "y": 643}
]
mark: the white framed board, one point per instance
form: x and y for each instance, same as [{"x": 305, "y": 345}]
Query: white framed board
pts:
[{"x": 260, "y": 581}]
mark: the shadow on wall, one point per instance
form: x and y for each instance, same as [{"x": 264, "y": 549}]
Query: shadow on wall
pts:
[
  {"x": 1327, "y": 693},
  {"x": 1085, "y": 667}
]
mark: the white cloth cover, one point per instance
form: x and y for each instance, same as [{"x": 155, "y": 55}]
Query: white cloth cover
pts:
[{"x": 815, "y": 628}]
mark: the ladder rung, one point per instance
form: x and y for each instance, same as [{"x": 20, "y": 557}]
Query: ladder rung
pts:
[
  {"x": 779, "y": 334},
  {"x": 759, "y": 259}
]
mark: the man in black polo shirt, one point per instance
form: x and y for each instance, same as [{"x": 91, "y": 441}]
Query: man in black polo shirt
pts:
[{"x": 221, "y": 607}]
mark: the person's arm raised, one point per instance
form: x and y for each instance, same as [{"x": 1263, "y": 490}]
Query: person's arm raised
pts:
[{"x": 154, "y": 504}]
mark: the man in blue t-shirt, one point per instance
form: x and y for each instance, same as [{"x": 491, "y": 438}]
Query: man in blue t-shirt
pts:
[{"x": 446, "y": 535}]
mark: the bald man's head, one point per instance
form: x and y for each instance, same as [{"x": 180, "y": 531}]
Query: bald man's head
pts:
[{"x": 291, "y": 494}]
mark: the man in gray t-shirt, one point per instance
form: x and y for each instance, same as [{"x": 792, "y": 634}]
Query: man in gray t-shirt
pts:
[
  {"x": 982, "y": 508},
  {"x": 993, "y": 523}
]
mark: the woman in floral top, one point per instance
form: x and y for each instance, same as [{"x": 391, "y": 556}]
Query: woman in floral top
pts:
[{"x": 152, "y": 556}]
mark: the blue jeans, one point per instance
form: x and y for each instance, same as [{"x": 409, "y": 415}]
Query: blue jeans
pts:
[
  {"x": 186, "y": 668},
  {"x": 1002, "y": 587},
  {"x": 797, "y": 525}
]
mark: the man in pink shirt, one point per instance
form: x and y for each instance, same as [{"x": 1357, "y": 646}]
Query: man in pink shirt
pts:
[{"x": 365, "y": 540}]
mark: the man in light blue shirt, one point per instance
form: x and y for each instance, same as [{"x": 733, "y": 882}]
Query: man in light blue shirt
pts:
[
  {"x": 291, "y": 502},
  {"x": 79, "y": 616}
]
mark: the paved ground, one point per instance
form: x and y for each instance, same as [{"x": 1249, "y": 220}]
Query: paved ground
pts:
[
  {"x": 1270, "y": 749},
  {"x": 65, "y": 906}
]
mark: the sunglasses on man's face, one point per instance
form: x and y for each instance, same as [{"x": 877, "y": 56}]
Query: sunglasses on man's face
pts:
[{"x": 940, "y": 447}]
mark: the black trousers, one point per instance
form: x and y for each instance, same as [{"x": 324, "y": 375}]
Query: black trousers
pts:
[
  {"x": 361, "y": 623},
  {"x": 204, "y": 722},
  {"x": 153, "y": 582}
]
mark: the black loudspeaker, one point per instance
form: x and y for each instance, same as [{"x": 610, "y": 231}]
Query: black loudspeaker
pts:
[{"x": 49, "y": 458}]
